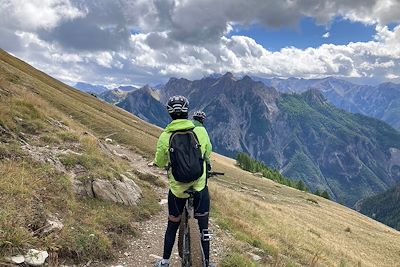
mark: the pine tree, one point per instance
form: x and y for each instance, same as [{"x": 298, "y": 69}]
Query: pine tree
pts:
[
  {"x": 317, "y": 192},
  {"x": 300, "y": 185},
  {"x": 325, "y": 194}
]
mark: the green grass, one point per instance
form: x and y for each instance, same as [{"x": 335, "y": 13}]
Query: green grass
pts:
[
  {"x": 68, "y": 136},
  {"x": 236, "y": 259}
]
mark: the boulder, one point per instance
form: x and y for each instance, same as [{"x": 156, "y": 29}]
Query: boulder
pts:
[
  {"x": 35, "y": 257},
  {"x": 124, "y": 191},
  {"x": 18, "y": 259},
  {"x": 82, "y": 188}
]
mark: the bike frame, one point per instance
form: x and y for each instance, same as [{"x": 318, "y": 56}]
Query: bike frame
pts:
[{"x": 206, "y": 235}]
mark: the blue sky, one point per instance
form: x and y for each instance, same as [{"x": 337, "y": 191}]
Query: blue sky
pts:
[{"x": 307, "y": 33}]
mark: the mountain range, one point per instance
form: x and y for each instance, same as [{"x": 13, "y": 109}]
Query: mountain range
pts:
[
  {"x": 381, "y": 101},
  {"x": 302, "y": 135},
  {"x": 90, "y": 88}
]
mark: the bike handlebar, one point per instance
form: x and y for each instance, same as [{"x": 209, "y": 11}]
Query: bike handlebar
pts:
[{"x": 215, "y": 173}]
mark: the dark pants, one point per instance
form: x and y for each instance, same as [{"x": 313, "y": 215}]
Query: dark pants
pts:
[{"x": 176, "y": 205}]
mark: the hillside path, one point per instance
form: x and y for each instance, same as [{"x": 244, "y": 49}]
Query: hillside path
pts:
[{"x": 145, "y": 249}]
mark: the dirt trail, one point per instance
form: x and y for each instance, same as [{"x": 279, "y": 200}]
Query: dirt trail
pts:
[{"x": 144, "y": 250}]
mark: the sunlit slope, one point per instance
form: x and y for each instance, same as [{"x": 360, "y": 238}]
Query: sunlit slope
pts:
[
  {"x": 288, "y": 226},
  {"x": 299, "y": 226},
  {"x": 102, "y": 118}
]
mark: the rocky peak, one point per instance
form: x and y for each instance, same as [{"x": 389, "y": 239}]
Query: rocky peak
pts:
[
  {"x": 314, "y": 95},
  {"x": 228, "y": 75},
  {"x": 247, "y": 78}
]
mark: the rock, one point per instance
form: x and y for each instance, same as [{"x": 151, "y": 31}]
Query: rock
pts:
[
  {"x": 254, "y": 257},
  {"x": 35, "y": 257},
  {"x": 258, "y": 174},
  {"x": 124, "y": 191},
  {"x": 53, "y": 225},
  {"x": 108, "y": 140},
  {"x": 18, "y": 259},
  {"x": 82, "y": 189},
  {"x": 163, "y": 201},
  {"x": 122, "y": 156}
]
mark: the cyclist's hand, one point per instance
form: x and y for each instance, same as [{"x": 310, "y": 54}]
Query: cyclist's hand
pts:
[{"x": 208, "y": 167}]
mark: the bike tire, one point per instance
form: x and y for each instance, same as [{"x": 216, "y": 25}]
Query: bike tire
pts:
[
  {"x": 181, "y": 234},
  {"x": 196, "y": 254}
]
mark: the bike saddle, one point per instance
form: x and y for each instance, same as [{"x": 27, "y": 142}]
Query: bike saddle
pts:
[{"x": 190, "y": 191}]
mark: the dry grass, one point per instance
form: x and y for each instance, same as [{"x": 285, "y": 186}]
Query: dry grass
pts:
[{"x": 284, "y": 219}]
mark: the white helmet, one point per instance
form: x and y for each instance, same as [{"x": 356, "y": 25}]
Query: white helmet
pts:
[
  {"x": 177, "y": 104},
  {"x": 199, "y": 116}
]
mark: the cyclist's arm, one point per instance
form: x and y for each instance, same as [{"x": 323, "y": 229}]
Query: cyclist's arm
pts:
[
  {"x": 161, "y": 158},
  {"x": 208, "y": 148}
]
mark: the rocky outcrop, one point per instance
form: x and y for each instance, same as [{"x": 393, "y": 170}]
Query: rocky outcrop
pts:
[{"x": 124, "y": 191}]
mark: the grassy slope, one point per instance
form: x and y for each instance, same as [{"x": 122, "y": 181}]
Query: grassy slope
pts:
[
  {"x": 286, "y": 221},
  {"x": 30, "y": 190},
  {"x": 289, "y": 226}
]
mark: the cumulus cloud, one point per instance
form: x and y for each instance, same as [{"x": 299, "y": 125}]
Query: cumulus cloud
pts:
[
  {"x": 142, "y": 41},
  {"x": 36, "y": 14}
]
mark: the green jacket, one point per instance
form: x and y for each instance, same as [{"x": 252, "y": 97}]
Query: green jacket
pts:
[
  {"x": 162, "y": 155},
  {"x": 197, "y": 123}
]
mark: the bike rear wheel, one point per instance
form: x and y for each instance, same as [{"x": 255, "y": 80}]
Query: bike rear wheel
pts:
[{"x": 196, "y": 254}]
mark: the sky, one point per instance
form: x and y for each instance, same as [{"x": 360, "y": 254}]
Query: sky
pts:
[{"x": 137, "y": 42}]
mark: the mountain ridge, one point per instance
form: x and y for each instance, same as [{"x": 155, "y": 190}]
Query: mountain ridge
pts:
[
  {"x": 381, "y": 101},
  {"x": 279, "y": 129}
]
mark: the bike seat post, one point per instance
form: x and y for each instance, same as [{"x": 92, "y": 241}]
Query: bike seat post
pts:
[{"x": 190, "y": 205}]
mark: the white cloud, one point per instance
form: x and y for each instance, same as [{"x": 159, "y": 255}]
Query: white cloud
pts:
[
  {"x": 326, "y": 35},
  {"x": 36, "y": 14},
  {"x": 92, "y": 40}
]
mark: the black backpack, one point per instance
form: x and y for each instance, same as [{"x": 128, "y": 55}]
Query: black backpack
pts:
[{"x": 185, "y": 156}]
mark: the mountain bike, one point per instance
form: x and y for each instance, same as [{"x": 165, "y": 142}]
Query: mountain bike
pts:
[{"x": 190, "y": 237}]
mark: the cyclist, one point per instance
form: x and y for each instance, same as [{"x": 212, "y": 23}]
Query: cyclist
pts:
[
  {"x": 177, "y": 107},
  {"x": 198, "y": 118}
]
